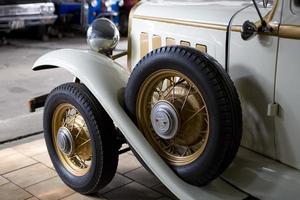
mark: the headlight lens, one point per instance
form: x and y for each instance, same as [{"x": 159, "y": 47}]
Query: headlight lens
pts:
[
  {"x": 94, "y": 3},
  {"x": 47, "y": 9},
  {"x": 103, "y": 35},
  {"x": 107, "y": 3}
]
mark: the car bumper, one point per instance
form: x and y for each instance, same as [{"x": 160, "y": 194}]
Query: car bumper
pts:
[{"x": 19, "y": 22}]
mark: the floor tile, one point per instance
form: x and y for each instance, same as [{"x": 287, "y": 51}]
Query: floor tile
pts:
[
  {"x": 32, "y": 198},
  {"x": 6, "y": 152},
  {"x": 78, "y": 196},
  {"x": 44, "y": 159},
  {"x": 131, "y": 153},
  {"x": 132, "y": 191},
  {"x": 50, "y": 189},
  {"x": 32, "y": 148},
  {"x": 127, "y": 163},
  {"x": 14, "y": 161},
  {"x": 118, "y": 181},
  {"x": 10, "y": 191},
  {"x": 30, "y": 175},
  {"x": 142, "y": 176},
  {"x": 3, "y": 180},
  {"x": 164, "y": 190}
]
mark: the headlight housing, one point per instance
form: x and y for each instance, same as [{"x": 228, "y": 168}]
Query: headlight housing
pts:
[
  {"x": 103, "y": 35},
  {"x": 47, "y": 8}
]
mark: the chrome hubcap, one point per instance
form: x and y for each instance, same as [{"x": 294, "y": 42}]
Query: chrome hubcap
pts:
[
  {"x": 164, "y": 119},
  {"x": 65, "y": 141}
]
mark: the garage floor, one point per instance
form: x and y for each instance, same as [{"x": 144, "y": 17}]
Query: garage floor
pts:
[{"x": 26, "y": 172}]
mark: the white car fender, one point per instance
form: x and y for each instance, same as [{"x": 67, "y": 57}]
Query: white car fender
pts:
[{"x": 106, "y": 79}]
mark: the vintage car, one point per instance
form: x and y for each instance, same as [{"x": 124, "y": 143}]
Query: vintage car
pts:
[
  {"x": 205, "y": 79},
  {"x": 19, "y": 14}
]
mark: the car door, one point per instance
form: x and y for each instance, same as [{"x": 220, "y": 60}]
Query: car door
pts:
[
  {"x": 287, "y": 93},
  {"x": 252, "y": 66}
]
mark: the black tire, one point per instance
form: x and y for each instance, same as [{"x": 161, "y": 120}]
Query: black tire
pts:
[
  {"x": 102, "y": 134},
  {"x": 220, "y": 96}
]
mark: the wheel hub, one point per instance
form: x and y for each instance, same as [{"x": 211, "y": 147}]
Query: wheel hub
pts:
[
  {"x": 65, "y": 141},
  {"x": 164, "y": 119}
]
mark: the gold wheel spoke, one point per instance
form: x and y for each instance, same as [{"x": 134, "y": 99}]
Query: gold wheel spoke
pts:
[
  {"x": 183, "y": 96},
  {"x": 171, "y": 143},
  {"x": 185, "y": 99},
  {"x": 173, "y": 86},
  {"x": 159, "y": 89},
  {"x": 173, "y": 91},
  {"x": 82, "y": 144},
  {"x": 74, "y": 119},
  {"x": 187, "y": 151},
  {"x": 69, "y": 122},
  {"x": 191, "y": 117},
  {"x": 82, "y": 162},
  {"x": 81, "y": 128}
]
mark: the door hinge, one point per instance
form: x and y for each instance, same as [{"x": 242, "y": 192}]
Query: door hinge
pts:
[{"x": 273, "y": 109}]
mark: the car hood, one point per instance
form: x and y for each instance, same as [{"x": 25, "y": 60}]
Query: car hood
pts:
[{"x": 204, "y": 11}]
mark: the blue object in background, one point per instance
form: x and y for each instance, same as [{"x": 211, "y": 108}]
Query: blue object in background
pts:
[
  {"x": 116, "y": 8},
  {"x": 68, "y": 7},
  {"x": 92, "y": 9},
  {"x": 111, "y": 10}
]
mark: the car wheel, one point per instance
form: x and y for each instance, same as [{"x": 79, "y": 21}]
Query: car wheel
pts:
[
  {"x": 80, "y": 138},
  {"x": 188, "y": 109}
]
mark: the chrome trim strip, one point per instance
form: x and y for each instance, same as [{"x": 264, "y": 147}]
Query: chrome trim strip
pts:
[
  {"x": 34, "y": 17},
  {"x": 289, "y": 31},
  {"x": 182, "y": 22}
]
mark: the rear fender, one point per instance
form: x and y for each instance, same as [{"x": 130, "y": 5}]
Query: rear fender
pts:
[{"x": 106, "y": 80}]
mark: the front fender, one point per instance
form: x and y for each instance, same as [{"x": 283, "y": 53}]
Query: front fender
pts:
[{"x": 106, "y": 79}]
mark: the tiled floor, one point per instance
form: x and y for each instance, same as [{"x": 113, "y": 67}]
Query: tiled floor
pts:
[{"x": 26, "y": 172}]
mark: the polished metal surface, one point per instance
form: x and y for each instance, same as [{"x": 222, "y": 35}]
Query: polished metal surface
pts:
[
  {"x": 65, "y": 141},
  {"x": 164, "y": 119},
  {"x": 103, "y": 35}
]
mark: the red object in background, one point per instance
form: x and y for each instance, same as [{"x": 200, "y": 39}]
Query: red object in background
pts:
[
  {"x": 128, "y": 4},
  {"x": 103, "y": 7}
]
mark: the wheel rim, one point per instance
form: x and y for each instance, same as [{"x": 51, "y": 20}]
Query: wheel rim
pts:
[
  {"x": 71, "y": 139},
  {"x": 168, "y": 97}
]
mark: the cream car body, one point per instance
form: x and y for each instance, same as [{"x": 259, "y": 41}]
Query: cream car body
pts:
[{"x": 263, "y": 68}]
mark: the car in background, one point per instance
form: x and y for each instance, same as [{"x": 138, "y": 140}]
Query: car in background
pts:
[
  {"x": 20, "y": 14},
  {"x": 79, "y": 14}
]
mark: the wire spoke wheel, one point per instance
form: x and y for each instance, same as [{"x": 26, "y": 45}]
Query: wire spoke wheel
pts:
[
  {"x": 191, "y": 135},
  {"x": 188, "y": 109},
  {"x": 72, "y": 139},
  {"x": 80, "y": 138}
]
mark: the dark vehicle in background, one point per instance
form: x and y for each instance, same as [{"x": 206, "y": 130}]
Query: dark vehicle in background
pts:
[
  {"x": 20, "y": 14},
  {"x": 124, "y": 15}
]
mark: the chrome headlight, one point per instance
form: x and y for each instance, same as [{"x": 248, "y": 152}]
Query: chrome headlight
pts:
[
  {"x": 47, "y": 8},
  {"x": 103, "y": 35},
  {"x": 94, "y": 3}
]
